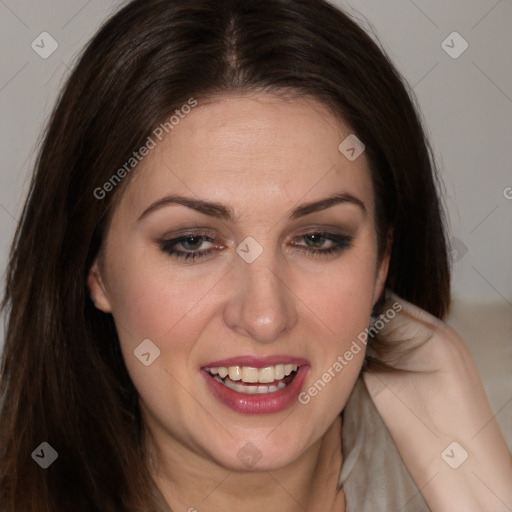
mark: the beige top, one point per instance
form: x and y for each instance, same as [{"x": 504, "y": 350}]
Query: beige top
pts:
[{"x": 373, "y": 476}]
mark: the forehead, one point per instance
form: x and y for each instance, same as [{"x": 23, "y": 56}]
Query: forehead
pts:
[{"x": 259, "y": 152}]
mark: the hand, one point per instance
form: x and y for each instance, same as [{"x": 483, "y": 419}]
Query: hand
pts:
[{"x": 438, "y": 400}]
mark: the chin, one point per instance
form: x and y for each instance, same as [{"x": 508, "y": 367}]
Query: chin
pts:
[{"x": 259, "y": 453}]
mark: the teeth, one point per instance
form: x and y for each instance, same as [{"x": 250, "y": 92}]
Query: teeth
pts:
[
  {"x": 267, "y": 374},
  {"x": 252, "y": 375},
  {"x": 250, "y": 390},
  {"x": 235, "y": 372},
  {"x": 279, "y": 371}
]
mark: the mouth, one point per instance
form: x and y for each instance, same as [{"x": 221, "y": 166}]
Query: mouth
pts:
[
  {"x": 252, "y": 381},
  {"x": 256, "y": 385}
]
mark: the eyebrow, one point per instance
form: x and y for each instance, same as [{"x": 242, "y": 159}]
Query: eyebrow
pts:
[{"x": 226, "y": 213}]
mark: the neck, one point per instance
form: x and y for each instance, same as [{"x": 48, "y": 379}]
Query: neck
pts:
[{"x": 190, "y": 482}]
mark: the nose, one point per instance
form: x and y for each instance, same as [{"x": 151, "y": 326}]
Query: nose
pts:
[{"x": 262, "y": 305}]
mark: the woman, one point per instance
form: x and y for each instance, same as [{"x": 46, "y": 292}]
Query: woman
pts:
[{"x": 228, "y": 282}]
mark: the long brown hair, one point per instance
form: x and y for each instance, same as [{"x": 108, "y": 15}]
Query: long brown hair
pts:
[{"x": 63, "y": 380}]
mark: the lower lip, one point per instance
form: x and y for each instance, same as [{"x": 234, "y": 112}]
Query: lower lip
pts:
[{"x": 264, "y": 403}]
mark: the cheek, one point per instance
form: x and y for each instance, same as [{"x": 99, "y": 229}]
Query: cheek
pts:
[
  {"x": 154, "y": 302},
  {"x": 152, "y": 298},
  {"x": 151, "y": 301},
  {"x": 342, "y": 300},
  {"x": 342, "y": 296}
]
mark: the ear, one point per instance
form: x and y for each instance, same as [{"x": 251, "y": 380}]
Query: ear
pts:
[
  {"x": 382, "y": 270},
  {"x": 97, "y": 288}
]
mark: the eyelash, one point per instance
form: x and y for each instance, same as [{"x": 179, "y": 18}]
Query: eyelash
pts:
[{"x": 341, "y": 242}]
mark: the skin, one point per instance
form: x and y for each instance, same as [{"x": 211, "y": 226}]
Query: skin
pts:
[
  {"x": 437, "y": 401},
  {"x": 261, "y": 156}
]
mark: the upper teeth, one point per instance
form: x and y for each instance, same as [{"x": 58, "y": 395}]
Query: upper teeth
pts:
[{"x": 253, "y": 375}]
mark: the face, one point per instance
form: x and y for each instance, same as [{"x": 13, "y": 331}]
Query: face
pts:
[{"x": 245, "y": 250}]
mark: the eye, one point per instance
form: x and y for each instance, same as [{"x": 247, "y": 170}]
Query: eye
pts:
[
  {"x": 323, "y": 243},
  {"x": 187, "y": 247},
  {"x": 191, "y": 246}
]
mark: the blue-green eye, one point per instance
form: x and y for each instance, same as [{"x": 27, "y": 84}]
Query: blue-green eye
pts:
[
  {"x": 187, "y": 246},
  {"x": 318, "y": 242}
]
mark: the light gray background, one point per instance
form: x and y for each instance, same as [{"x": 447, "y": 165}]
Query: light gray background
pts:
[{"x": 466, "y": 103}]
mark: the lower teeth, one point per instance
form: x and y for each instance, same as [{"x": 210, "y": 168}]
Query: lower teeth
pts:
[{"x": 248, "y": 389}]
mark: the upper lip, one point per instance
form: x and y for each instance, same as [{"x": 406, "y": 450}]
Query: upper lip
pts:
[{"x": 257, "y": 362}]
